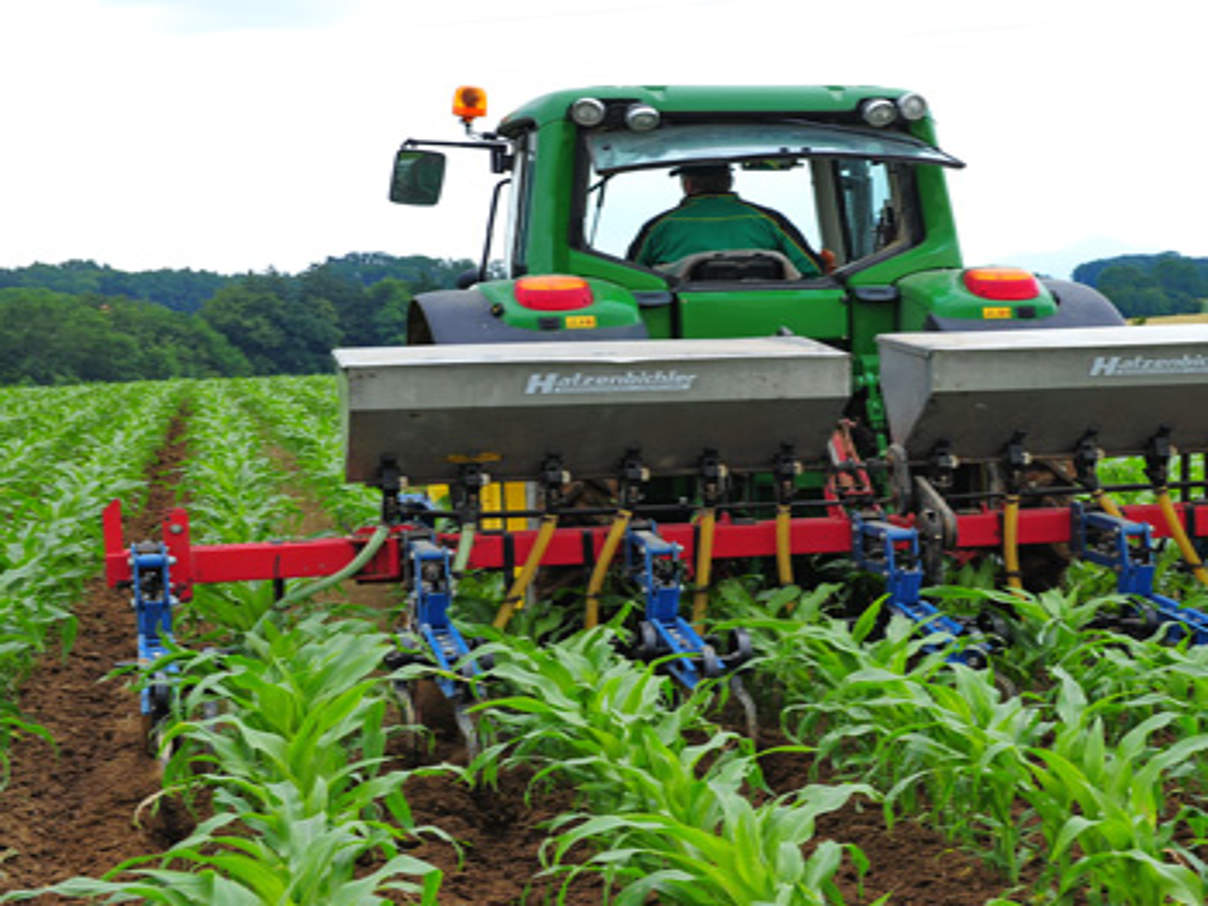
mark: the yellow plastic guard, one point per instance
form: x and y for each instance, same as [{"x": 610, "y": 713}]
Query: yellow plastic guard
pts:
[{"x": 506, "y": 495}]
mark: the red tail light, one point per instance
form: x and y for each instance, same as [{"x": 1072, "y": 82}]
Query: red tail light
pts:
[
  {"x": 1005, "y": 284},
  {"x": 553, "y": 292}
]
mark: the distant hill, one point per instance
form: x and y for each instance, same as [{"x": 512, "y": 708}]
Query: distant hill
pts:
[
  {"x": 83, "y": 321},
  {"x": 179, "y": 290},
  {"x": 187, "y": 290},
  {"x": 1143, "y": 286}
]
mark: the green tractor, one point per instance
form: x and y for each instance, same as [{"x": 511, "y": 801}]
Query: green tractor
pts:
[{"x": 856, "y": 169}]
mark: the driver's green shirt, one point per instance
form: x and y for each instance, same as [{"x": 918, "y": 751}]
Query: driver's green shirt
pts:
[{"x": 711, "y": 223}]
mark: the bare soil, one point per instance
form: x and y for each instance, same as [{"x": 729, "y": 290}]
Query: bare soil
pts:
[{"x": 69, "y": 811}]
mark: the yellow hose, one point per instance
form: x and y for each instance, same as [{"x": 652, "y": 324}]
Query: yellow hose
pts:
[
  {"x": 704, "y": 566},
  {"x": 1105, "y": 503},
  {"x": 1010, "y": 541},
  {"x": 1180, "y": 536},
  {"x": 548, "y": 523},
  {"x": 616, "y": 531},
  {"x": 784, "y": 551}
]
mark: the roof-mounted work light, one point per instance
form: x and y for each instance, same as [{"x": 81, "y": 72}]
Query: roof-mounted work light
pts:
[
  {"x": 912, "y": 106},
  {"x": 587, "y": 111},
  {"x": 878, "y": 112},
  {"x": 641, "y": 117}
]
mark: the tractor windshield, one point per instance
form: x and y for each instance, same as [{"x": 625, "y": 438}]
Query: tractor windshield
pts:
[
  {"x": 846, "y": 190},
  {"x": 677, "y": 145}
]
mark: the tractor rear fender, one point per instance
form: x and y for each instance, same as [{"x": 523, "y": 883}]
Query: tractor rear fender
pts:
[
  {"x": 1078, "y": 305},
  {"x": 467, "y": 316}
]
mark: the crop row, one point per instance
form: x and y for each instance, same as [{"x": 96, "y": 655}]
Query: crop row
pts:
[
  {"x": 63, "y": 457},
  {"x": 1093, "y": 773},
  {"x": 280, "y": 718}
]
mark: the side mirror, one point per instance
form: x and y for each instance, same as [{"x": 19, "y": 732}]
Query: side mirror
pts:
[{"x": 418, "y": 177}]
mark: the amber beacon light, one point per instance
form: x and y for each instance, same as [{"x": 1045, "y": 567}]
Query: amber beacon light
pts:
[{"x": 469, "y": 103}]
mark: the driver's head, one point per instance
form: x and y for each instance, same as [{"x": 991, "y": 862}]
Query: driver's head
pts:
[{"x": 707, "y": 179}]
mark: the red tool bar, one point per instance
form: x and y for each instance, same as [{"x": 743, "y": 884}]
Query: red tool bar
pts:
[
  {"x": 569, "y": 546},
  {"x": 828, "y": 535},
  {"x": 1051, "y": 525}
]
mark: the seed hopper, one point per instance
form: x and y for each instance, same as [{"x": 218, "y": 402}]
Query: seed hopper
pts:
[{"x": 894, "y": 408}]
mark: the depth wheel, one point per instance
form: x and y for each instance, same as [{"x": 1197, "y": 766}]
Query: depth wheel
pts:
[{"x": 647, "y": 642}]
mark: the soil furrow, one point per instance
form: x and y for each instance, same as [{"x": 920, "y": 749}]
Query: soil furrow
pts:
[{"x": 69, "y": 812}]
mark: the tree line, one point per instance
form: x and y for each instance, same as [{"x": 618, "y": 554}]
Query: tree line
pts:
[
  {"x": 80, "y": 321},
  {"x": 1144, "y": 286}
]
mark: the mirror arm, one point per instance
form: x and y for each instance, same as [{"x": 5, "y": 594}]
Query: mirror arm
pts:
[
  {"x": 501, "y": 159},
  {"x": 486, "y": 246}
]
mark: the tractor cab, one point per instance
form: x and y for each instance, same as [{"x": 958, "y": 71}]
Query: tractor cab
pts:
[{"x": 854, "y": 173}]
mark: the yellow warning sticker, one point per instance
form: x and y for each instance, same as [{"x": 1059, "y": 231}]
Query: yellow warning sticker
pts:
[
  {"x": 996, "y": 311},
  {"x": 578, "y": 322}
]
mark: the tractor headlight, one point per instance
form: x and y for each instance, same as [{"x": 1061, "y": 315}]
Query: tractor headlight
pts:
[
  {"x": 912, "y": 106},
  {"x": 587, "y": 111},
  {"x": 878, "y": 111},
  {"x": 641, "y": 117}
]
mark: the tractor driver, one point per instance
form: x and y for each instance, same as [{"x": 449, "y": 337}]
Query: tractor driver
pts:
[{"x": 711, "y": 217}]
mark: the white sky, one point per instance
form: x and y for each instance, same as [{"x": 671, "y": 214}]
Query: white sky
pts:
[{"x": 237, "y": 135}]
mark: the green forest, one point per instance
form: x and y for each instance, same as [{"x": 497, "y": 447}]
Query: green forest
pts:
[
  {"x": 1144, "y": 286},
  {"x": 83, "y": 321},
  {"x": 80, "y": 321}
]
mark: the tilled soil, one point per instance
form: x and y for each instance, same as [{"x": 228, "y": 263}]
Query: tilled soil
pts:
[{"x": 70, "y": 811}]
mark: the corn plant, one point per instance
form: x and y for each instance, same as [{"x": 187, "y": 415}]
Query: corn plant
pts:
[
  {"x": 234, "y": 490},
  {"x": 671, "y": 815},
  {"x": 1100, "y": 812},
  {"x": 291, "y": 740},
  {"x": 576, "y": 701},
  {"x": 52, "y": 491},
  {"x": 970, "y": 755},
  {"x": 302, "y": 414},
  {"x": 717, "y": 849}
]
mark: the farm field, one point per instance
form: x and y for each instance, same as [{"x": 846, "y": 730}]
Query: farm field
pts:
[{"x": 1074, "y": 770}]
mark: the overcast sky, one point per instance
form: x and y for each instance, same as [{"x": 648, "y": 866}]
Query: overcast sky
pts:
[{"x": 236, "y": 135}]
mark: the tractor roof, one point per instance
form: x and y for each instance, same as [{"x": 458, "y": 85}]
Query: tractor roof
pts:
[{"x": 705, "y": 99}]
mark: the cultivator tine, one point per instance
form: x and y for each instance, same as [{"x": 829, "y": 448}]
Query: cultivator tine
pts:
[
  {"x": 750, "y": 714},
  {"x": 468, "y": 729}
]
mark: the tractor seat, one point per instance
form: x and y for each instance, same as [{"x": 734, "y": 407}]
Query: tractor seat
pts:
[{"x": 734, "y": 265}]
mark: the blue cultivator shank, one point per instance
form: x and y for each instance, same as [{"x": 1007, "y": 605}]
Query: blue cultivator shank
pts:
[
  {"x": 656, "y": 567},
  {"x": 431, "y": 595},
  {"x": 892, "y": 551},
  {"x": 150, "y": 568},
  {"x": 1126, "y": 548}
]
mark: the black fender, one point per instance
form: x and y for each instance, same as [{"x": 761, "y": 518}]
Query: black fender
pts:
[
  {"x": 1078, "y": 305},
  {"x": 465, "y": 316}
]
